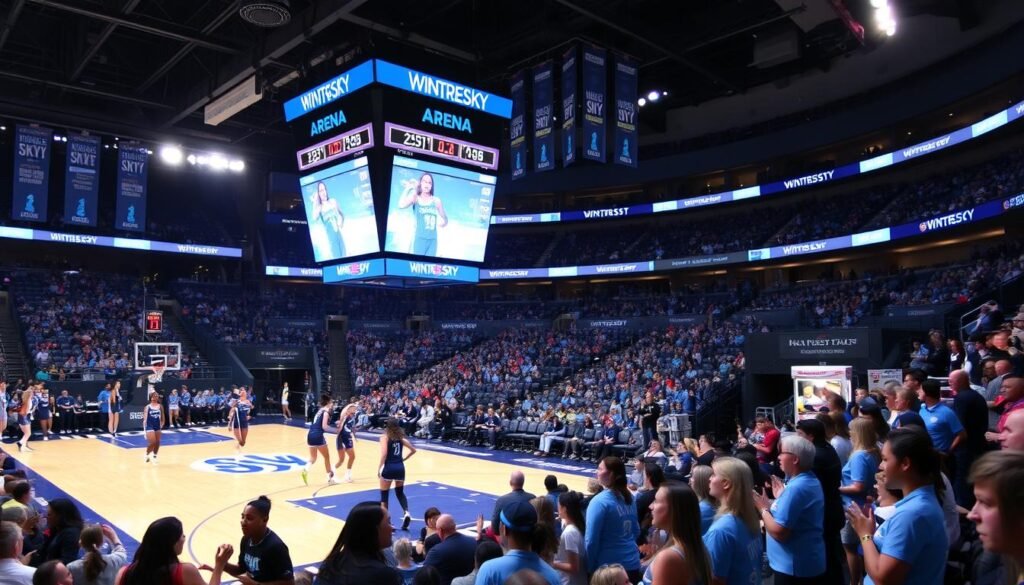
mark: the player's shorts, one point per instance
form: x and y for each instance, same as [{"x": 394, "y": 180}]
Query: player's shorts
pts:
[
  {"x": 425, "y": 247},
  {"x": 393, "y": 472},
  {"x": 315, "y": 440},
  {"x": 345, "y": 441},
  {"x": 239, "y": 423},
  {"x": 24, "y": 420}
]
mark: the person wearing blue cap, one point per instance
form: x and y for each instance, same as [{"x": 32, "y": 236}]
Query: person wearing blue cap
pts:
[{"x": 517, "y": 527}]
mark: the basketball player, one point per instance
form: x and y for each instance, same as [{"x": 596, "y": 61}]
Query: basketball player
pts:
[
  {"x": 44, "y": 411},
  {"x": 429, "y": 213},
  {"x": 238, "y": 421},
  {"x": 316, "y": 441},
  {"x": 285, "y": 410},
  {"x": 346, "y": 440},
  {"x": 153, "y": 422},
  {"x": 392, "y": 466},
  {"x": 28, "y": 397},
  {"x": 3, "y": 408},
  {"x": 326, "y": 232},
  {"x": 116, "y": 406}
]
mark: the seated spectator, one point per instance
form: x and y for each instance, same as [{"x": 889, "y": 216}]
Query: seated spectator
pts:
[
  {"x": 453, "y": 555},
  {"x": 52, "y": 573},
  {"x": 12, "y": 570},
  {"x": 156, "y": 559},
  {"x": 96, "y": 568},
  {"x": 63, "y": 526},
  {"x": 485, "y": 551},
  {"x": 402, "y": 550}
]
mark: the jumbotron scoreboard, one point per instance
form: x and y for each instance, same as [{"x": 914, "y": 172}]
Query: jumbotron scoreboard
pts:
[{"x": 398, "y": 170}]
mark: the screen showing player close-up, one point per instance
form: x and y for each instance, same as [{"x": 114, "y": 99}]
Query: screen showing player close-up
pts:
[
  {"x": 438, "y": 211},
  {"x": 339, "y": 210}
]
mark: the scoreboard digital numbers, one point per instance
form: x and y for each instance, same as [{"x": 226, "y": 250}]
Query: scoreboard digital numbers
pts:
[
  {"x": 336, "y": 147},
  {"x": 436, "y": 145}
]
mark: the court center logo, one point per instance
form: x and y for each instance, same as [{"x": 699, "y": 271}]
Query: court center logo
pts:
[{"x": 251, "y": 463}]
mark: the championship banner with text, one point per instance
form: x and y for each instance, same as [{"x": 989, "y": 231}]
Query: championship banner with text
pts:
[
  {"x": 594, "y": 98},
  {"x": 517, "y": 126},
  {"x": 31, "y": 173},
  {"x": 82, "y": 182},
  {"x": 626, "y": 136},
  {"x": 132, "y": 167},
  {"x": 543, "y": 126},
  {"x": 569, "y": 107}
]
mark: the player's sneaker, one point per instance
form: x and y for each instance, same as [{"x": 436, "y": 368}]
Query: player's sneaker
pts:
[
  {"x": 331, "y": 480},
  {"x": 147, "y": 457},
  {"x": 305, "y": 476},
  {"x": 406, "y": 521},
  {"x": 348, "y": 477}
]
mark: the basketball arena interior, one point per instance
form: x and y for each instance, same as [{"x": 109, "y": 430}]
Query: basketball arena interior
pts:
[{"x": 498, "y": 292}]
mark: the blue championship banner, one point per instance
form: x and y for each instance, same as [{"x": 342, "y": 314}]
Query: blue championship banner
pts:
[
  {"x": 82, "y": 182},
  {"x": 31, "y": 173},
  {"x": 132, "y": 167},
  {"x": 594, "y": 102},
  {"x": 569, "y": 107},
  {"x": 517, "y": 127},
  {"x": 624, "y": 151},
  {"x": 543, "y": 126}
]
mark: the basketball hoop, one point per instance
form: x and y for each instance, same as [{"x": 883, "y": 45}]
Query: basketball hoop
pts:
[{"x": 158, "y": 374}]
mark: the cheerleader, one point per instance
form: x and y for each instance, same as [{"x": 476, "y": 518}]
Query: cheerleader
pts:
[
  {"x": 116, "y": 406},
  {"x": 346, "y": 440},
  {"x": 285, "y": 411},
  {"x": 392, "y": 466},
  {"x": 44, "y": 412},
  {"x": 173, "y": 409},
  {"x": 238, "y": 421},
  {"x": 316, "y": 441},
  {"x": 28, "y": 397},
  {"x": 153, "y": 421}
]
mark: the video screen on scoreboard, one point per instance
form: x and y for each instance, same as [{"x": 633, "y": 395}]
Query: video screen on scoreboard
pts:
[
  {"x": 438, "y": 211},
  {"x": 339, "y": 210}
]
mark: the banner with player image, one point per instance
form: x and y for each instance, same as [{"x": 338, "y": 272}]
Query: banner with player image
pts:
[
  {"x": 82, "y": 183},
  {"x": 339, "y": 211},
  {"x": 438, "y": 211},
  {"x": 31, "y": 173},
  {"x": 517, "y": 126},
  {"x": 132, "y": 170},
  {"x": 594, "y": 102},
  {"x": 569, "y": 107},
  {"x": 543, "y": 122},
  {"x": 624, "y": 150}
]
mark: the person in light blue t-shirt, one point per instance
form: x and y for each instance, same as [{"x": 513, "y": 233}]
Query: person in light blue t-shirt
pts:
[
  {"x": 943, "y": 426},
  {"x": 910, "y": 547},
  {"x": 795, "y": 521},
  {"x": 517, "y": 523},
  {"x": 858, "y": 483},
  {"x": 734, "y": 539},
  {"x": 612, "y": 526},
  {"x": 700, "y": 478}
]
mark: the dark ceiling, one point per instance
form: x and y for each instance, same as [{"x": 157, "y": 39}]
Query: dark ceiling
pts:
[{"x": 147, "y": 68}]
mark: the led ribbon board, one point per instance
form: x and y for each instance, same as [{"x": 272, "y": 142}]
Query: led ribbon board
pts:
[{"x": 430, "y": 144}]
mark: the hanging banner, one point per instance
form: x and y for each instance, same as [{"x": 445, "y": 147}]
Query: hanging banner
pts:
[
  {"x": 82, "y": 182},
  {"x": 31, "y": 173},
  {"x": 594, "y": 102},
  {"x": 625, "y": 147},
  {"x": 132, "y": 167},
  {"x": 543, "y": 121},
  {"x": 517, "y": 127},
  {"x": 569, "y": 107}
]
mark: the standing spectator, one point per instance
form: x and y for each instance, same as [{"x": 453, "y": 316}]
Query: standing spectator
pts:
[
  {"x": 104, "y": 401},
  {"x": 911, "y": 545},
  {"x": 1012, "y": 437},
  {"x": 971, "y": 410},
  {"x": 571, "y": 560},
  {"x": 262, "y": 555},
  {"x": 612, "y": 527},
  {"x": 96, "y": 568},
  {"x": 518, "y": 494},
  {"x": 858, "y": 483},
  {"x": 453, "y": 556},
  {"x": 957, "y": 355},
  {"x": 356, "y": 556},
  {"x": 518, "y": 528},
  {"x": 700, "y": 482},
  {"x": 156, "y": 560},
  {"x": 794, "y": 523},
  {"x": 829, "y": 472},
  {"x": 994, "y": 388},
  {"x": 683, "y": 561},
  {"x": 650, "y": 412},
  {"x": 12, "y": 571},
  {"x": 941, "y": 422},
  {"x": 999, "y": 512},
  {"x": 766, "y": 448},
  {"x": 1012, "y": 399},
  {"x": 734, "y": 539}
]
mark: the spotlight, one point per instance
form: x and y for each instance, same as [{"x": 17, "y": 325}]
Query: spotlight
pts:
[
  {"x": 878, "y": 3},
  {"x": 3, "y": 128},
  {"x": 641, "y": 102},
  {"x": 115, "y": 146},
  {"x": 218, "y": 162},
  {"x": 63, "y": 138},
  {"x": 56, "y": 138},
  {"x": 171, "y": 155},
  {"x": 653, "y": 96},
  {"x": 664, "y": 93},
  {"x": 191, "y": 159},
  {"x": 237, "y": 166},
  {"x": 106, "y": 146}
]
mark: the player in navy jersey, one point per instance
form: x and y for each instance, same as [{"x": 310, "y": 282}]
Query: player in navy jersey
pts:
[
  {"x": 44, "y": 412},
  {"x": 152, "y": 423},
  {"x": 316, "y": 441},
  {"x": 25, "y": 417},
  {"x": 429, "y": 213},
  {"x": 346, "y": 441},
  {"x": 238, "y": 421},
  {"x": 116, "y": 406},
  {"x": 392, "y": 466}
]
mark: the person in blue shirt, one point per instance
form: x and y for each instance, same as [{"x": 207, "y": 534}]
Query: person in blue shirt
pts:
[
  {"x": 910, "y": 547},
  {"x": 517, "y": 527},
  {"x": 186, "y": 406},
  {"x": 941, "y": 422},
  {"x": 700, "y": 479},
  {"x": 734, "y": 539},
  {"x": 66, "y": 413},
  {"x": 612, "y": 525},
  {"x": 857, "y": 484},
  {"x": 794, "y": 523},
  {"x": 104, "y": 399}
]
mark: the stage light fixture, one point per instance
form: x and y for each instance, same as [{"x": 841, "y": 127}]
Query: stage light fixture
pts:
[
  {"x": 237, "y": 166},
  {"x": 653, "y": 96},
  {"x": 172, "y": 155},
  {"x": 641, "y": 102},
  {"x": 218, "y": 162},
  {"x": 191, "y": 159}
]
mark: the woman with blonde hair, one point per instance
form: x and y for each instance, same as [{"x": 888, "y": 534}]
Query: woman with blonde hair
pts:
[
  {"x": 683, "y": 560},
  {"x": 610, "y": 575},
  {"x": 734, "y": 539},
  {"x": 858, "y": 483},
  {"x": 700, "y": 481}
]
